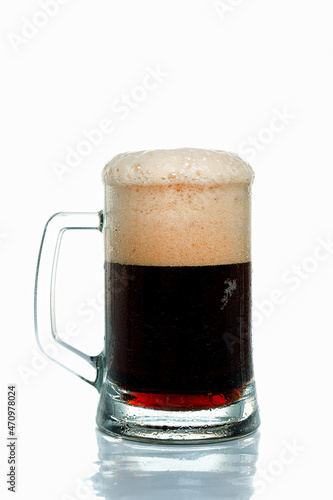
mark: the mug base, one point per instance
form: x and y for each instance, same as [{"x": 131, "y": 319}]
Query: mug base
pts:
[{"x": 118, "y": 418}]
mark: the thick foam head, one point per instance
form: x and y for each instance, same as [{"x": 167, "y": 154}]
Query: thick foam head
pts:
[
  {"x": 183, "y": 207},
  {"x": 170, "y": 166}
]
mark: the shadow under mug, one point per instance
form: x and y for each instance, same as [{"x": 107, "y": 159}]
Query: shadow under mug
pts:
[{"x": 177, "y": 361}]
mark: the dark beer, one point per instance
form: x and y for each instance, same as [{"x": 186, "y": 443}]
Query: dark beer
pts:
[{"x": 179, "y": 337}]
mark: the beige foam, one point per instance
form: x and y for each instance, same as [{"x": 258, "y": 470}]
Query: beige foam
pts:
[
  {"x": 159, "y": 221},
  {"x": 165, "y": 166}
]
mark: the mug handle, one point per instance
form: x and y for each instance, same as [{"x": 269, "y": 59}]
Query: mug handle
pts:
[{"x": 48, "y": 259}]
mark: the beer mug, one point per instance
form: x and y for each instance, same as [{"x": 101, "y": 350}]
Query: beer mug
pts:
[{"x": 177, "y": 359}]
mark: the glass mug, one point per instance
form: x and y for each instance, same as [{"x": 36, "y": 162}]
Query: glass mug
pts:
[{"x": 177, "y": 359}]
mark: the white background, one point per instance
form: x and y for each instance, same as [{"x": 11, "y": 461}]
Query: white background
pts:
[{"x": 227, "y": 71}]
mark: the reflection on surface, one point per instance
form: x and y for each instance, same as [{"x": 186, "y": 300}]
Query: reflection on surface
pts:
[{"x": 130, "y": 470}]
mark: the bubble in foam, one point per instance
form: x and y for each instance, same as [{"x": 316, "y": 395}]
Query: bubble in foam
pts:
[{"x": 164, "y": 166}]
